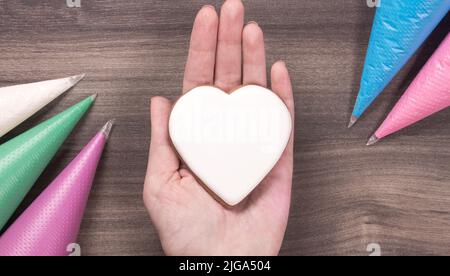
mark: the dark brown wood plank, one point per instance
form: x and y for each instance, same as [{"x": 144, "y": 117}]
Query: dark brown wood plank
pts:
[{"x": 346, "y": 195}]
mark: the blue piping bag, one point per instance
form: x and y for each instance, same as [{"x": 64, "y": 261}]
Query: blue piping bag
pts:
[{"x": 400, "y": 27}]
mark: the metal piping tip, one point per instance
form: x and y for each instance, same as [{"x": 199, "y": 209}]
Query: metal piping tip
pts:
[
  {"x": 76, "y": 79},
  {"x": 106, "y": 130},
  {"x": 353, "y": 120},
  {"x": 372, "y": 140},
  {"x": 93, "y": 97}
]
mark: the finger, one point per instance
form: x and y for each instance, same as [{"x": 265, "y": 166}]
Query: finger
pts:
[
  {"x": 281, "y": 84},
  {"x": 202, "y": 52},
  {"x": 229, "y": 48},
  {"x": 254, "y": 55},
  {"x": 278, "y": 183},
  {"x": 163, "y": 161}
]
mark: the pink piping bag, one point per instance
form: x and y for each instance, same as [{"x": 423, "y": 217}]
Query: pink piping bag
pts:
[
  {"x": 51, "y": 223},
  {"x": 428, "y": 93}
]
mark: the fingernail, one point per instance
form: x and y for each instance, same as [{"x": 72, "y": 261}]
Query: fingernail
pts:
[
  {"x": 209, "y": 7},
  {"x": 252, "y": 22}
]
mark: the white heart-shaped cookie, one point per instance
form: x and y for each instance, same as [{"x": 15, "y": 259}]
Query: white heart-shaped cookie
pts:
[{"x": 230, "y": 141}]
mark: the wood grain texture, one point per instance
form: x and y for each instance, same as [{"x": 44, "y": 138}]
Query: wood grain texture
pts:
[{"x": 346, "y": 195}]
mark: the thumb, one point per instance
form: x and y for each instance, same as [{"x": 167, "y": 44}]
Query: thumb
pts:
[{"x": 163, "y": 161}]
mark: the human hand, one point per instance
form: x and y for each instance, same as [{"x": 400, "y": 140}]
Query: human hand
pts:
[{"x": 189, "y": 221}]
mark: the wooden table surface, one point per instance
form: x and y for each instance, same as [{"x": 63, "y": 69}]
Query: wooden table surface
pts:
[{"x": 345, "y": 196}]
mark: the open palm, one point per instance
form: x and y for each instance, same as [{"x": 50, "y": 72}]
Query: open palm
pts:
[{"x": 189, "y": 221}]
